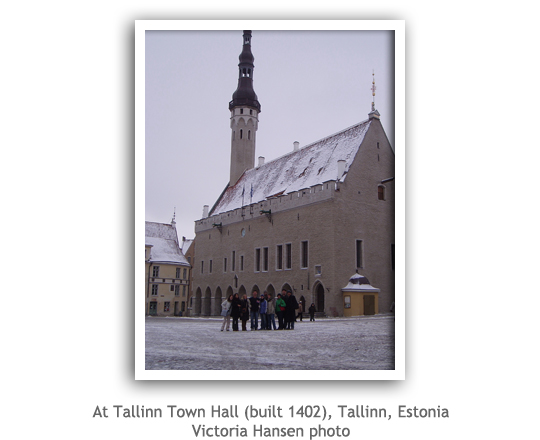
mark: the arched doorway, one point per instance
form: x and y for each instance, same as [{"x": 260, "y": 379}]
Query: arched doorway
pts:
[
  {"x": 319, "y": 298},
  {"x": 217, "y": 301},
  {"x": 206, "y": 302},
  {"x": 242, "y": 292},
  {"x": 255, "y": 288},
  {"x": 197, "y": 302},
  {"x": 286, "y": 287},
  {"x": 271, "y": 291}
]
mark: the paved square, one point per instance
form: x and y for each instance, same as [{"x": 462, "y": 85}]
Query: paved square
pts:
[{"x": 360, "y": 343}]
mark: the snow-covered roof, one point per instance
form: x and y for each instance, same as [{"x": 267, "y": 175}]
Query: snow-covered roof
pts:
[
  {"x": 163, "y": 239},
  {"x": 161, "y": 230},
  {"x": 311, "y": 165},
  {"x": 359, "y": 283},
  {"x": 185, "y": 245}
]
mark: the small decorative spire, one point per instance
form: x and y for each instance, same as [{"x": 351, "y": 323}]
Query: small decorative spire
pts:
[
  {"x": 374, "y": 114},
  {"x": 173, "y": 222},
  {"x": 373, "y": 88}
]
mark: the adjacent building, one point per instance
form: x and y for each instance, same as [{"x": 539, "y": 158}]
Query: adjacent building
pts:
[
  {"x": 167, "y": 271},
  {"x": 306, "y": 221}
]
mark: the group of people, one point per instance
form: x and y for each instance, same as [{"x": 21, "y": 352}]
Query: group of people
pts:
[{"x": 245, "y": 309}]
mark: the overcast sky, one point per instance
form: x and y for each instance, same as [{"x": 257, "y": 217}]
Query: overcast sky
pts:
[{"x": 310, "y": 84}]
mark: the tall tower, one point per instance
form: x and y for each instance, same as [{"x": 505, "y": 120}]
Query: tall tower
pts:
[{"x": 245, "y": 109}]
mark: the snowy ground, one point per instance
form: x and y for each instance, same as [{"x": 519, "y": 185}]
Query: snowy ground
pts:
[{"x": 362, "y": 343}]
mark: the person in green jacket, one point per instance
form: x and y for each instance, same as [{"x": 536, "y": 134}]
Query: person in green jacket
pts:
[{"x": 280, "y": 311}]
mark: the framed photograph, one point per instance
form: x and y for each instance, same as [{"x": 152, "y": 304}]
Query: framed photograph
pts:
[{"x": 270, "y": 195}]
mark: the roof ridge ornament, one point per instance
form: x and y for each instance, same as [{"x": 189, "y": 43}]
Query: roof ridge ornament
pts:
[
  {"x": 374, "y": 114},
  {"x": 373, "y": 88}
]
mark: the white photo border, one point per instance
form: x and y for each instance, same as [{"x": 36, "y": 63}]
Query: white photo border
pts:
[{"x": 398, "y": 26}]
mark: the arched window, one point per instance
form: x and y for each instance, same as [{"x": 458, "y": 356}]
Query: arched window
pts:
[{"x": 380, "y": 192}]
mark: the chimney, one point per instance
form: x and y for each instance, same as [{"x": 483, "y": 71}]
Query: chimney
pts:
[
  {"x": 296, "y": 145},
  {"x": 205, "y": 211},
  {"x": 261, "y": 160},
  {"x": 340, "y": 168}
]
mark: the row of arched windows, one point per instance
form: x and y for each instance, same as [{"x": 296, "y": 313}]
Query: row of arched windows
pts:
[{"x": 241, "y": 134}]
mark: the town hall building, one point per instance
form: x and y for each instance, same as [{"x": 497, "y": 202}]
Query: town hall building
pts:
[{"x": 318, "y": 221}]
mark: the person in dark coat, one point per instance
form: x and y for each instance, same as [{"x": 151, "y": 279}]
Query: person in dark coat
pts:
[
  {"x": 235, "y": 312},
  {"x": 254, "y": 310},
  {"x": 312, "y": 312},
  {"x": 244, "y": 312},
  {"x": 290, "y": 310}
]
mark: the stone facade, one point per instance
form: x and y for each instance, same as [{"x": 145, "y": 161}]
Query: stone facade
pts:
[
  {"x": 337, "y": 219},
  {"x": 305, "y": 221}
]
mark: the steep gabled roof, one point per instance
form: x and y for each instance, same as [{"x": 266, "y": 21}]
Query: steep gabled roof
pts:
[
  {"x": 311, "y": 165},
  {"x": 164, "y": 241}
]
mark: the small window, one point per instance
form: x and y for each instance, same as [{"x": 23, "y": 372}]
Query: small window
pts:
[
  {"x": 172, "y": 288},
  {"x": 225, "y": 265},
  {"x": 241, "y": 133},
  {"x": 250, "y": 111},
  {"x": 257, "y": 260},
  {"x": 347, "y": 300},
  {"x": 249, "y": 134},
  {"x": 279, "y": 257},
  {"x": 265, "y": 259},
  {"x": 241, "y": 262},
  {"x": 178, "y": 272},
  {"x": 177, "y": 290},
  {"x": 318, "y": 270},
  {"x": 210, "y": 267},
  {"x": 233, "y": 262},
  {"x": 380, "y": 192},
  {"x": 155, "y": 271},
  {"x": 183, "y": 306},
  {"x": 189, "y": 260},
  {"x": 242, "y": 110},
  {"x": 183, "y": 290},
  {"x": 288, "y": 256},
  {"x": 166, "y": 306},
  {"x": 304, "y": 248},
  {"x": 359, "y": 254},
  {"x": 202, "y": 266},
  {"x": 154, "y": 289},
  {"x": 185, "y": 274}
]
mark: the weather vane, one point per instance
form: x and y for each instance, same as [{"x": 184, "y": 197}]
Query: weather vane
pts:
[{"x": 373, "y": 88}]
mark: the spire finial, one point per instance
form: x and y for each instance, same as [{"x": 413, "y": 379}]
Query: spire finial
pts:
[
  {"x": 373, "y": 88},
  {"x": 174, "y": 217}
]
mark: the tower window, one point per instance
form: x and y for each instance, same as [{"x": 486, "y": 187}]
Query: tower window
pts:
[
  {"x": 250, "y": 111},
  {"x": 241, "y": 134},
  {"x": 249, "y": 134},
  {"x": 241, "y": 111}
]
